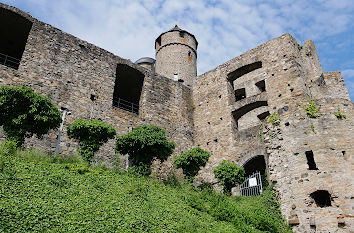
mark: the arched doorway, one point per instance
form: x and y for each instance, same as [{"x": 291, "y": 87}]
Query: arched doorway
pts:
[{"x": 256, "y": 164}]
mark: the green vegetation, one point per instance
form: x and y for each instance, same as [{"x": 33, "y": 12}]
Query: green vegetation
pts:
[
  {"x": 191, "y": 161},
  {"x": 229, "y": 174},
  {"x": 312, "y": 126},
  {"x": 143, "y": 144},
  {"x": 339, "y": 114},
  {"x": 274, "y": 119},
  {"x": 24, "y": 113},
  {"x": 46, "y": 194},
  {"x": 260, "y": 133},
  {"x": 312, "y": 109},
  {"x": 91, "y": 135}
]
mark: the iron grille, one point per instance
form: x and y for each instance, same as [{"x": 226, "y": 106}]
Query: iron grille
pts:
[{"x": 9, "y": 61}]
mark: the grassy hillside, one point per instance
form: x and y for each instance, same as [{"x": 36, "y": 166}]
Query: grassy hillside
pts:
[{"x": 41, "y": 194}]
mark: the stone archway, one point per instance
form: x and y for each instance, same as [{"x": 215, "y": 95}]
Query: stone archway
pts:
[{"x": 256, "y": 163}]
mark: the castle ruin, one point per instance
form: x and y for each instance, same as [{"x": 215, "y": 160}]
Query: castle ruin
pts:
[{"x": 308, "y": 161}]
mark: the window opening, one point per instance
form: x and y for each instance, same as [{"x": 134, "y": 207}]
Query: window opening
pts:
[
  {"x": 310, "y": 160},
  {"x": 14, "y": 34},
  {"x": 181, "y": 34},
  {"x": 263, "y": 116},
  {"x": 261, "y": 86},
  {"x": 127, "y": 88},
  {"x": 240, "y": 94},
  {"x": 237, "y": 114},
  {"x": 322, "y": 198}
]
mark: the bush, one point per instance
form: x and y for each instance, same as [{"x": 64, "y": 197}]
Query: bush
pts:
[
  {"x": 229, "y": 174},
  {"x": 24, "y": 113},
  {"x": 143, "y": 144},
  {"x": 91, "y": 135},
  {"x": 191, "y": 161}
]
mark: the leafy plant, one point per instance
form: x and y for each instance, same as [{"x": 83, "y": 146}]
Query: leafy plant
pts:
[
  {"x": 339, "y": 114},
  {"x": 274, "y": 119},
  {"x": 143, "y": 144},
  {"x": 24, "y": 113},
  {"x": 312, "y": 126},
  {"x": 91, "y": 135},
  {"x": 312, "y": 109},
  {"x": 191, "y": 161},
  {"x": 229, "y": 174}
]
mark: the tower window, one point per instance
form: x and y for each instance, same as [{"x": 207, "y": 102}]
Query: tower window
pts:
[
  {"x": 189, "y": 54},
  {"x": 181, "y": 34},
  {"x": 311, "y": 160}
]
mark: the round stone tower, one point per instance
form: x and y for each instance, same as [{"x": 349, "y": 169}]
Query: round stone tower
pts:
[{"x": 176, "y": 55}]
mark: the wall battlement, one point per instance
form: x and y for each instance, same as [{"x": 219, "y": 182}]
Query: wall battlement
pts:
[{"x": 224, "y": 110}]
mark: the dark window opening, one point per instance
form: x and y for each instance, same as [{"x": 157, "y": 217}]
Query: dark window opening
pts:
[
  {"x": 311, "y": 160},
  {"x": 127, "y": 88},
  {"x": 237, "y": 114},
  {"x": 92, "y": 97},
  {"x": 263, "y": 116},
  {"x": 189, "y": 54},
  {"x": 240, "y": 94},
  {"x": 261, "y": 86},
  {"x": 14, "y": 34},
  {"x": 181, "y": 34},
  {"x": 158, "y": 42},
  {"x": 322, "y": 198},
  {"x": 343, "y": 152},
  {"x": 243, "y": 70},
  {"x": 181, "y": 80},
  {"x": 256, "y": 164}
]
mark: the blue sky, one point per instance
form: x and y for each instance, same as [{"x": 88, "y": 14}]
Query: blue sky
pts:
[{"x": 223, "y": 28}]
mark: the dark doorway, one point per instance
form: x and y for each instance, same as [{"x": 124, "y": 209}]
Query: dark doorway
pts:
[
  {"x": 255, "y": 164},
  {"x": 14, "y": 30},
  {"x": 127, "y": 88}
]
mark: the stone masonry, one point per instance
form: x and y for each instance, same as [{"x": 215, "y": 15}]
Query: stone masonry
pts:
[{"x": 308, "y": 161}]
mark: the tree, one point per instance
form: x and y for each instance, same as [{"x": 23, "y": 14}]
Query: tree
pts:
[
  {"x": 191, "y": 161},
  {"x": 91, "y": 135},
  {"x": 143, "y": 144},
  {"x": 24, "y": 113},
  {"x": 229, "y": 174}
]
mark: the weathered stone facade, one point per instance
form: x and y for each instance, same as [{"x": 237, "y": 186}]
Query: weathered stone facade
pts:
[{"x": 223, "y": 111}]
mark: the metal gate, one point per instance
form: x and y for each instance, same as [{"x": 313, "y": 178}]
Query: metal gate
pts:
[{"x": 252, "y": 186}]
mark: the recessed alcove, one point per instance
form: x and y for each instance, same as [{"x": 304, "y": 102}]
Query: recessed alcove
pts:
[{"x": 14, "y": 30}]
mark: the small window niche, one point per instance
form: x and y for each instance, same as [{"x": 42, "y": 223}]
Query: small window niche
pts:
[
  {"x": 261, "y": 85},
  {"x": 322, "y": 198},
  {"x": 181, "y": 34},
  {"x": 263, "y": 116},
  {"x": 240, "y": 94},
  {"x": 311, "y": 160}
]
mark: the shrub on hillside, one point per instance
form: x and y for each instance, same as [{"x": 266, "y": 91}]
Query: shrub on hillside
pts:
[
  {"x": 91, "y": 135},
  {"x": 229, "y": 174},
  {"x": 191, "y": 161},
  {"x": 24, "y": 113},
  {"x": 143, "y": 144}
]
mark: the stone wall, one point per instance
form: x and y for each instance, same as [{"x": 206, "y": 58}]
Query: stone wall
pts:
[{"x": 69, "y": 71}]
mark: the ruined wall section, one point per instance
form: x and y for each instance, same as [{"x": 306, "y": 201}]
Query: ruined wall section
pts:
[
  {"x": 81, "y": 77},
  {"x": 216, "y": 106},
  {"x": 330, "y": 140}
]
